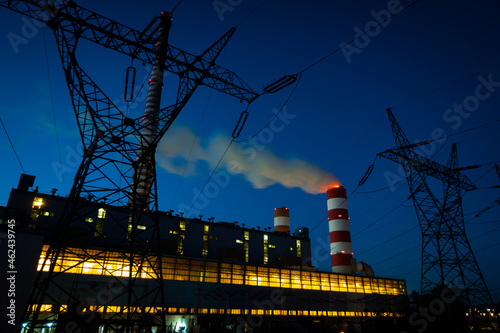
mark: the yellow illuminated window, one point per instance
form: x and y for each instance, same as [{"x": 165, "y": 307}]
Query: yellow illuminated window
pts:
[
  {"x": 101, "y": 213},
  {"x": 94, "y": 262},
  {"x": 299, "y": 249},
  {"x": 274, "y": 277},
  {"x": 285, "y": 278},
  {"x": 113, "y": 309},
  {"x": 182, "y": 225},
  {"x": 245, "y": 244},
  {"x": 306, "y": 280},
  {"x": 315, "y": 281},
  {"x": 271, "y": 246},
  {"x": 295, "y": 280},
  {"x": 89, "y": 219},
  {"x": 266, "y": 246},
  {"x": 342, "y": 283},
  {"x": 204, "y": 251},
  {"x": 251, "y": 276},
  {"x": 180, "y": 245},
  {"x": 37, "y": 202},
  {"x": 239, "y": 241},
  {"x": 45, "y": 308},
  {"x": 175, "y": 232},
  {"x": 141, "y": 227},
  {"x": 325, "y": 282}
]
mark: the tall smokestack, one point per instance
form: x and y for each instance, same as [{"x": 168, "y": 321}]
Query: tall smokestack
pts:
[
  {"x": 340, "y": 234},
  {"x": 282, "y": 220}
]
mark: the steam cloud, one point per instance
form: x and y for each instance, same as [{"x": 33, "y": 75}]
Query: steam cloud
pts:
[{"x": 259, "y": 165}]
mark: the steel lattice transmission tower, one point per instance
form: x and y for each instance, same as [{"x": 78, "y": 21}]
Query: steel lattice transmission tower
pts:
[
  {"x": 447, "y": 257},
  {"x": 118, "y": 167}
]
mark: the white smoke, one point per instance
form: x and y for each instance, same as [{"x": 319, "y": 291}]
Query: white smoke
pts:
[{"x": 258, "y": 165}]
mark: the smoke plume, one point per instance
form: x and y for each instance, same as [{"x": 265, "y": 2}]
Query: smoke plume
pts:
[{"x": 256, "y": 163}]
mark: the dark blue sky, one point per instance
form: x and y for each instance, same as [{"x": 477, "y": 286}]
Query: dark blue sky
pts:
[{"x": 436, "y": 64}]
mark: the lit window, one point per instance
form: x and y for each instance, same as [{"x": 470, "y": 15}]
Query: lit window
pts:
[
  {"x": 266, "y": 246},
  {"x": 204, "y": 251},
  {"x": 141, "y": 227},
  {"x": 37, "y": 202},
  {"x": 271, "y": 246},
  {"x": 239, "y": 241},
  {"x": 182, "y": 225},
  {"x": 299, "y": 250},
  {"x": 89, "y": 219},
  {"x": 175, "y": 232},
  {"x": 101, "y": 213}
]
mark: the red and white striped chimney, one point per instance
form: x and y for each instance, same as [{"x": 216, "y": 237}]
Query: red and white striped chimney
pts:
[
  {"x": 340, "y": 234},
  {"x": 281, "y": 220}
]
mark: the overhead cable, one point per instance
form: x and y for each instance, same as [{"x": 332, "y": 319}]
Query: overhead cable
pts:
[
  {"x": 357, "y": 37},
  {"x": 12, "y": 145}
]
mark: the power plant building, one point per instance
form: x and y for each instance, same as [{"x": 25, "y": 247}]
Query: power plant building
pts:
[{"x": 217, "y": 276}]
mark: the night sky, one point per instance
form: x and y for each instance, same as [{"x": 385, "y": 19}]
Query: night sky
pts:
[{"x": 436, "y": 65}]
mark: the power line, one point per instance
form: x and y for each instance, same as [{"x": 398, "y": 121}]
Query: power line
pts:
[
  {"x": 53, "y": 109},
  {"x": 387, "y": 241},
  {"x": 210, "y": 177},
  {"x": 276, "y": 115},
  {"x": 172, "y": 11},
  {"x": 400, "y": 265},
  {"x": 191, "y": 149},
  {"x": 353, "y": 40},
  {"x": 194, "y": 140},
  {"x": 251, "y": 13},
  {"x": 380, "y": 218},
  {"x": 444, "y": 86},
  {"x": 464, "y": 131},
  {"x": 394, "y": 256},
  {"x": 12, "y": 145},
  {"x": 383, "y": 188}
]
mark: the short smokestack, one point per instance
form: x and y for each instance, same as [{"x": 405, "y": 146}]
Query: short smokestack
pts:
[
  {"x": 282, "y": 220},
  {"x": 340, "y": 233}
]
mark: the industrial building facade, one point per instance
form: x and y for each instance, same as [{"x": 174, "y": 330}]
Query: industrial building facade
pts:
[{"x": 217, "y": 276}]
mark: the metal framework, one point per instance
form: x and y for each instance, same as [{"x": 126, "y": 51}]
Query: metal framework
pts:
[
  {"x": 118, "y": 166},
  {"x": 447, "y": 258}
]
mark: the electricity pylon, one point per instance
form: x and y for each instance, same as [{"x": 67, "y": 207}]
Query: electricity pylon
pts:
[
  {"x": 447, "y": 257},
  {"x": 118, "y": 166}
]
